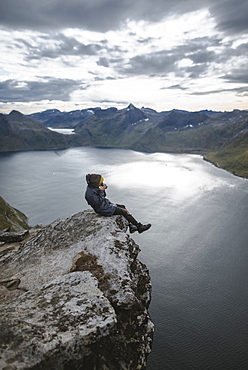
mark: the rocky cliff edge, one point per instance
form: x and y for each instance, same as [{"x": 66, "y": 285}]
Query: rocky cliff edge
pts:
[{"x": 75, "y": 296}]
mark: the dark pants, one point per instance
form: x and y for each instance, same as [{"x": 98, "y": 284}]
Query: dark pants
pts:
[{"x": 121, "y": 211}]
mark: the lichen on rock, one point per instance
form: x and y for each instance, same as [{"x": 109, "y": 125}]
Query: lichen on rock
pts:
[{"x": 75, "y": 296}]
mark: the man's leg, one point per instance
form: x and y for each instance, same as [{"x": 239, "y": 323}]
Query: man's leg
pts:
[
  {"x": 127, "y": 215},
  {"x": 137, "y": 225}
]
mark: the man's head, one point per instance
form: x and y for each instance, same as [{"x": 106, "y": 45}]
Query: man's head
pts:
[{"x": 96, "y": 180}]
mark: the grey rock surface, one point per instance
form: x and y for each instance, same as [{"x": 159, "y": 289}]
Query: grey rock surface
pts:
[
  {"x": 10, "y": 237},
  {"x": 75, "y": 296}
]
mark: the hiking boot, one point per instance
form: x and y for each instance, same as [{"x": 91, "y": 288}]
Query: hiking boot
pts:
[
  {"x": 142, "y": 228},
  {"x": 132, "y": 228}
]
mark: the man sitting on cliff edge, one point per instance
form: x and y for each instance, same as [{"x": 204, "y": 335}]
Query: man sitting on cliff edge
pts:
[{"x": 95, "y": 196}]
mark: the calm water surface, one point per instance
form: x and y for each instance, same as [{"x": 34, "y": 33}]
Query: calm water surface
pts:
[{"x": 196, "y": 250}]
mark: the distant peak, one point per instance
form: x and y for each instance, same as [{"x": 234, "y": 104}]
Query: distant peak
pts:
[
  {"x": 15, "y": 113},
  {"x": 131, "y": 106}
]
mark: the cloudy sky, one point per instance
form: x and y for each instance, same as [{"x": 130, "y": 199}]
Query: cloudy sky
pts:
[{"x": 161, "y": 54}]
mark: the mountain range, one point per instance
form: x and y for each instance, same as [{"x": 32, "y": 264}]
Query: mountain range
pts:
[{"x": 222, "y": 137}]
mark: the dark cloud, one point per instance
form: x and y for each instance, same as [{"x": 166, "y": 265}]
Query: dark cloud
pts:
[
  {"x": 240, "y": 91},
  {"x": 113, "y": 103},
  {"x": 174, "y": 87},
  {"x": 218, "y": 91},
  {"x": 237, "y": 75},
  {"x": 157, "y": 63},
  {"x": 99, "y": 15},
  {"x": 52, "y": 47},
  {"x": 196, "y": 71},
  {"x": 198, "y": 49},
  {"x": 102, "y": 15},
  {"x": 231, "y": 15},
  {"x": 109, "y": 78},
  {"x": 103, "y": 62},
  {"x": 165, "y": 61},
  {"x": 116, "y": 61},
  {"x": 147, "y": 40},
  {"x": 27, "y": 91}
]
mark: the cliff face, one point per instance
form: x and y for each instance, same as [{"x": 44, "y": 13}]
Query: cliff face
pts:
[{"x": 75, "y": 296}]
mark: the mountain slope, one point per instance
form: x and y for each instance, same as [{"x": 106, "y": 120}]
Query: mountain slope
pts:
[
  {"x": 234, "y": 157},
  {"x": 112, "y": 127},
  {"x": 221, "y": 137},
  {"x": 187, "y": 134},
  {"x": 182, "y": 120},
  {"x": 19, "y": 132},
  {"x": 11, "y": 217}
]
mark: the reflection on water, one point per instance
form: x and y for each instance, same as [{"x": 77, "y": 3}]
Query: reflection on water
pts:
[
  {"x": 196, "y": 250},
  {"x": 180, "y": 177}
]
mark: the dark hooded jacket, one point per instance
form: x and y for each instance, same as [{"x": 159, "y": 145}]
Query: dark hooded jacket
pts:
[{"x": 96, "y": 198}]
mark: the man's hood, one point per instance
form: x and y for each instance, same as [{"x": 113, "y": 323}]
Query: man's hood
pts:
[
  {"x": 93, "y": 180},
  {"x": 88, "y": 179}
]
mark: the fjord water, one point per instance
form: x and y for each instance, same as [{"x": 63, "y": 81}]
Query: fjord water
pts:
[{"x": 196, "y": 250}]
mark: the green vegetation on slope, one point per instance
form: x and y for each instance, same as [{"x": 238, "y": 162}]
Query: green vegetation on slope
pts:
[
  {"x": 11, "y": 217},
  {"x": 234, "y": 157}
]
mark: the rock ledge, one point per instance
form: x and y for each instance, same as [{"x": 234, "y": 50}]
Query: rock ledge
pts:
[{"x": 75, "y": 296}]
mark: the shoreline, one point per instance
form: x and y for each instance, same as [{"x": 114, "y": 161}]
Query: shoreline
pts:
[
  {"x": 216, "y": 164},
  {"x": 204, "y": 156}
]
